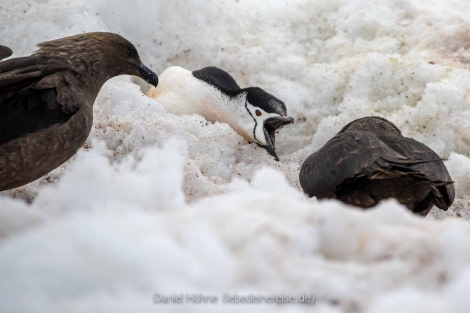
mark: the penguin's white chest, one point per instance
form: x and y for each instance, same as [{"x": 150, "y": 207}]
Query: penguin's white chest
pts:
[{"x": 181, "y": 93}]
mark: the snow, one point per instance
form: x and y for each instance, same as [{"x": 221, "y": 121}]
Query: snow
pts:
[{"x": 164, "y": 204}]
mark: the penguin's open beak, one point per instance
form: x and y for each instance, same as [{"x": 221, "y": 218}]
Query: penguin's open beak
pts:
[{"x": 271, "y": 125}]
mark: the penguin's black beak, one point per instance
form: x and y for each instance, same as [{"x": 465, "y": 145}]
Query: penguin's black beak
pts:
[
  {"x": 148, "y": 75},
  {"x": 271, "y": 125}
]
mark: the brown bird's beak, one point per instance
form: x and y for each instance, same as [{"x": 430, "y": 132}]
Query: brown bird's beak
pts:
[
  {"x": 271, "y": 125},
  {"x": 148, "y": 75}
]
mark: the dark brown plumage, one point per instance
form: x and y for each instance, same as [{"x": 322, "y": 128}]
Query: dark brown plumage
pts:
[
  {"x": 5, "y": 52},
  {"x": 369, "y": 160},
  {"x": 46, "y": 100}
]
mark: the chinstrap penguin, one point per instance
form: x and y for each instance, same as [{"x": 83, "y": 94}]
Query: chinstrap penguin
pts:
[{"x": 213, "y": 93}]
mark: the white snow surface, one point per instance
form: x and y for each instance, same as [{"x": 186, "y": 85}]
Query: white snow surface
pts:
[{"x": 159, "y": 205}]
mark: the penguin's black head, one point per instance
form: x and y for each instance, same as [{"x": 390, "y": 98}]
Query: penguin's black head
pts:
[
  {"x": 269, "y": 114},
  {"x": 263, "y": 113}
]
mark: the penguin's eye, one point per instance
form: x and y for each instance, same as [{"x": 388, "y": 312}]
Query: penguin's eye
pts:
[{"x": 258, "y": 113}]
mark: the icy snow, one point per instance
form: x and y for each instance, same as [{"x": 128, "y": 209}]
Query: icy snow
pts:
[{"x": 157, "y": 203}]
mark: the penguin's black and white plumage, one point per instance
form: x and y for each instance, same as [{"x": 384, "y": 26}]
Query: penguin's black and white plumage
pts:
[
  {"x": 213, "y": 93},
  {"x": 369, "y": 160}
]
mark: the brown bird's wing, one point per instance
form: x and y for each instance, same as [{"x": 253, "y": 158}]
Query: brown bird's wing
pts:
[
  {"x": 5, "y": 52},
  {"x": 427, "y": 163},
  {"x": 346, "y": 156},
  {"x": 29, "y": 89},
  {"x": 22, "y": 73}
]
